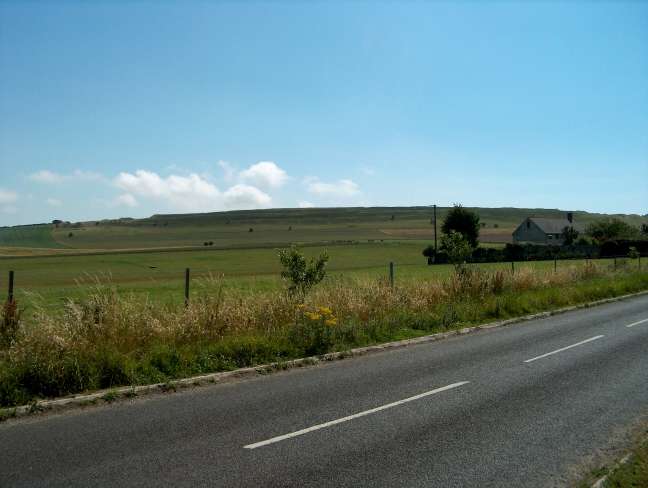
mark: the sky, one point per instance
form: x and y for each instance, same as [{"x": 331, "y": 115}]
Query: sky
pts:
[{"x": 130, "y": 108}]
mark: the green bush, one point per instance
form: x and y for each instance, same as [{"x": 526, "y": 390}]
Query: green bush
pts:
[{"x": 301, "y": 275}]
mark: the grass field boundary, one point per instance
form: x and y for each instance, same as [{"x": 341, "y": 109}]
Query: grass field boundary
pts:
[{"x": 112, "y": 394}]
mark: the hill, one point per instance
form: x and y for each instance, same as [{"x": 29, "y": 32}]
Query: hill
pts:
[{"x": 264, "y": 228}]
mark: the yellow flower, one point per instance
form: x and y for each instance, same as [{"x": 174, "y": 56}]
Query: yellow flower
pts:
[
  {"x": 313, "y": 315},
  {"x": 301, "y": 306},
  {"x": 331, "y": 322},
  {"x": 325, "y": 311}
]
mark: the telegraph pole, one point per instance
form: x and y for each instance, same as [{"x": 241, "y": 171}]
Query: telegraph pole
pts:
[{"x": 435, "y": 233}]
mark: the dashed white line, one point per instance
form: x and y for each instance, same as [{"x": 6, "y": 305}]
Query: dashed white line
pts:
[
  {"x": 564, "y": 348},
  {"x": 637, "y": 323},
  {"x": 354, "y": 416}
]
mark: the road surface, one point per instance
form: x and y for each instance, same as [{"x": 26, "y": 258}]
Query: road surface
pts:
[{"x": 513, "y": 406}]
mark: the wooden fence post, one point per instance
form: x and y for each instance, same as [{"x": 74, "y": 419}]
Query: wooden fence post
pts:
[
  {"x": 391, "y": 274},
  {"x": 186, "y": 287},
  {"x": 10, "y": 296},
  {"x": 512, "y": 266}
]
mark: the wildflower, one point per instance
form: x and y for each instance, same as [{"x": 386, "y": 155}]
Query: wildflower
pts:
[
  {"x": 325, "y": 311},
  {"x": 331, "y": 322},
  {"x": 313, "y": 315}
]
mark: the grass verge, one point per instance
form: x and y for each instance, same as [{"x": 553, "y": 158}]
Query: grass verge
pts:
[
  {"x": 631, "y": 471},
  {"x": 634, "y": 472},
  {"x": 105, "y": 339}
]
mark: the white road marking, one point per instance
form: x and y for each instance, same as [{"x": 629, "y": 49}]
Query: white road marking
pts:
[
  {"x": 564, "y": 348},
  {"x": 354, "y": 416},
  {"x": 637, "y": 323}
]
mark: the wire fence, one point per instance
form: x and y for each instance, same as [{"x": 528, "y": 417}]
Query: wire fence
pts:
[{"x": 178, "y": 281}]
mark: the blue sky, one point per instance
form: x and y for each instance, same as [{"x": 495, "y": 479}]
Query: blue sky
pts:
[{"x": 129, "y": 109}]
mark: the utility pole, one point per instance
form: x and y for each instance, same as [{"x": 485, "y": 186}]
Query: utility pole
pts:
[{"x": 435, "y": 234}]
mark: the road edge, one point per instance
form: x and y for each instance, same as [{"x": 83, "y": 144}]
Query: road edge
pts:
[
  {"x": 112, "y": 394},
  {"x": 599, "y": 483}
]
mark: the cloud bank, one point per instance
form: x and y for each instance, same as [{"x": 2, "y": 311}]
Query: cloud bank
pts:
[
  {"x": 339, "y": 189},
  {"x": 192, "y": 193}
]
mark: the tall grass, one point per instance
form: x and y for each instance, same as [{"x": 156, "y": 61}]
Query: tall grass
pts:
[{"x": 107, "y": 339}]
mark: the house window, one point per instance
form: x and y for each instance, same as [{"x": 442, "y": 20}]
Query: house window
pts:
[{"x": 550, "y": 236}]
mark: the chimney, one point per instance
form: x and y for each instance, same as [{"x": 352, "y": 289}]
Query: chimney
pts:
[{"x": 570, "y": 217}]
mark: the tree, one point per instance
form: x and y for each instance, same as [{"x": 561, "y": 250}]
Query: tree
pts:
[
  {"x": 301, "y": 275},
  {"x": 569, "y": 235},
  {"x": 611, "y": 229},
  {"x": 464, "y": 222},
  {"x": 457, "y": 247},
  {"x": 430, "y": 253},
  {"x": 644, "y": 229}
]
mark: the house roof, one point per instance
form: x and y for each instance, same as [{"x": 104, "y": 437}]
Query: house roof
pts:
[{"x": 555, "y": 226}]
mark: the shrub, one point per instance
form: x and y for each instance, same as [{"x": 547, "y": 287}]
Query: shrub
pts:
[
  {"x": 611, "y": 229},
  {"x": 569, "y": 235},
  {"x": 302, "y": 276},
  {"x": 457, "y": 247}
]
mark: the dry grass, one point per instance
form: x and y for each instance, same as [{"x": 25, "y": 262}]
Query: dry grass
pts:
[{"x": 107, "y": 339}]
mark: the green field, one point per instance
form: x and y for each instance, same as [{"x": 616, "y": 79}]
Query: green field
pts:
[
  {"x": 150, "y": 255},
  {"x": 161, "y": 274},
  {"x": 35, "y": 236}
]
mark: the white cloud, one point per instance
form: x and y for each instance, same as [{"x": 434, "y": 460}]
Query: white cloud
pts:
[
  {"x": 51, "y": 177},
  {"x": 191, "y": 193},
  {"x": 246, "y": 196},
  {"x": 7, "y": 196},
  {"x": 54, "y": 202},
  {"x": 265, "y": 174},
  {"x": 126, "y": 200},
  {"x": 305, "y": 204},
  {"x": 340, "y": 188},
  {"x": 46, "y": 176}
]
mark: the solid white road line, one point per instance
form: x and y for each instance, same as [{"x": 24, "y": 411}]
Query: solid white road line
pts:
[
  {"x": 637, "y": 323},
  {"x": 354, "y": 416},
  {"x": 564, "y": 348}
]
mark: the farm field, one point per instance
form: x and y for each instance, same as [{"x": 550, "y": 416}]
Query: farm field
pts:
[
  {"x": 149, "y": 256},
  {"x": 160, "y": 275}
]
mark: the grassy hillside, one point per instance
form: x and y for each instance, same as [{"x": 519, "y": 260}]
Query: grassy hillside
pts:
[
  {"x": 268, "y": 228},
  {"x": 274, "y": 227}
]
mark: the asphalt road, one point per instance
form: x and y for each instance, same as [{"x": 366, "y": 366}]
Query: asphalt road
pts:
[{"x": 485, "y": 409}]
